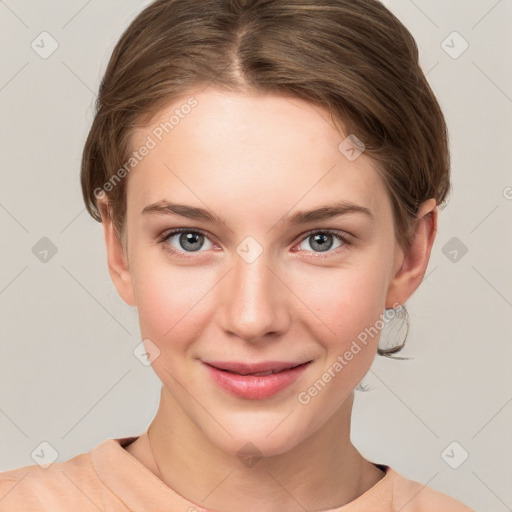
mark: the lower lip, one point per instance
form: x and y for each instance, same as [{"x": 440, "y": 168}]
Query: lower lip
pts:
[{"x": 252, "y": 387}]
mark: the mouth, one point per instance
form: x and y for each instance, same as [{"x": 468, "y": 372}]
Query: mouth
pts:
[
  {"x": 257, "y": 369},
  {"x": 255, "y": 381}
]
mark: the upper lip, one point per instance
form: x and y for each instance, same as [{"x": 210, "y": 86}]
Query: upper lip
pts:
[{"x": 247, "y": 368}]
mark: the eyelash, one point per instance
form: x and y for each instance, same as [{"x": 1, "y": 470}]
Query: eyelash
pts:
[{"x": 181, "y": 254}]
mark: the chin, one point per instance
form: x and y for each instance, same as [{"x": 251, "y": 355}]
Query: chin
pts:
[
  {"x": 257, "y": 443},
  {"x": 261, "y": 435}
]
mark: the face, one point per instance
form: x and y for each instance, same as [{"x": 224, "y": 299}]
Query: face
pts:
[{"x": 262, "y": 284}]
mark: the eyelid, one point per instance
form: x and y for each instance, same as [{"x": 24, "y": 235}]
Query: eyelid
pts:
[
  {"x": 343, "y": 235},
  {"x": 176, "y": 231},
  {"x": 344, "y": 238}
]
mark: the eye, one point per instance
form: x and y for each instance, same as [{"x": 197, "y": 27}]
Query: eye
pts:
[
  {"x": 181, "y": 242},
  {"x": 184, "y": 240},
  {"x": 322, "y": 241}
]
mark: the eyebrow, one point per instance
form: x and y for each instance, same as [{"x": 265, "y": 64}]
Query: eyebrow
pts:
[{"x": 165, "y": 207}]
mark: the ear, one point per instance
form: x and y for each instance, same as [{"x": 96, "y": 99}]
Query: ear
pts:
[
  {"x": 117, "y": 260},
  {"x": 412, "y": 264}
]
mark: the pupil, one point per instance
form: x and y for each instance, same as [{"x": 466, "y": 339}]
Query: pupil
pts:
[
  {"x": 194, "y": 239},
  {"x": 320, "y": 240}
]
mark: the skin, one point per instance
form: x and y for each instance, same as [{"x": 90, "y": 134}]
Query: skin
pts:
[{"x": 254, "y": 158}]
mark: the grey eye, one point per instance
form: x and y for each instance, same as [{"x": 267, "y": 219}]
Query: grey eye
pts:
[
  {"x": 188, "y": 241},
  {"x": 321, "y": 242}
]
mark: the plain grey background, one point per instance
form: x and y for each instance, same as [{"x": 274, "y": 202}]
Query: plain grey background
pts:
[{"x": 68, "y": 374}]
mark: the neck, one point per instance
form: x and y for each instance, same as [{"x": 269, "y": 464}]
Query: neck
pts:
[{"x": 325, "y": 471}]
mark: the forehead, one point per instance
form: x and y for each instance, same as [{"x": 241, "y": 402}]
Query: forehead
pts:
[{"x": 262, "y": 152}]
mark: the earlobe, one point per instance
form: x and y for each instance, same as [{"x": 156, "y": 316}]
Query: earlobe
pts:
[
  {"x": 415, "y": 260},
  {"x": 117, "y": 262}
]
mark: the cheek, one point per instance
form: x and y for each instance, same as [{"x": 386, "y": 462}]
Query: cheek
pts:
[
  {"x": 168, "y": 297},
  {"x": 350, "y": 307},
  {"x": 342, "y": 302}
]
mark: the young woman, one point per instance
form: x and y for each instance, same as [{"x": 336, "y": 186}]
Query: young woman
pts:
[{"x": 268, "y": 175}]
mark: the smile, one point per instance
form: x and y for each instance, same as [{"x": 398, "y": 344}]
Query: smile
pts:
[{"x": 257, "y": 381}]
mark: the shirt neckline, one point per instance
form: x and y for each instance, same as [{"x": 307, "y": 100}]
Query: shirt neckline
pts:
[{"x": 134, "y": 484}]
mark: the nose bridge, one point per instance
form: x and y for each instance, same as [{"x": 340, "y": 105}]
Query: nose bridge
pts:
[{"x": 253, "y": 299}]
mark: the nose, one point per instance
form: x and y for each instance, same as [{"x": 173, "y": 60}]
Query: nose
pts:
[{"x": 255, "y": 302}]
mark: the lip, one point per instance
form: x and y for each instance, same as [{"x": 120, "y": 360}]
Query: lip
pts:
[
  {"x": 246, "y": 368},
  {"x": 254, "y": 387}
]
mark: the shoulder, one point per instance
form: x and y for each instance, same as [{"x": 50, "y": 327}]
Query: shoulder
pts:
[
  {"x": 69, "y": 485},
  {"x": 412, "y": 496}
]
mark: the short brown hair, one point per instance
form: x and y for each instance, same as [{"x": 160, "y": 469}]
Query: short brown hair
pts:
[{"x": 353, "y": 57}]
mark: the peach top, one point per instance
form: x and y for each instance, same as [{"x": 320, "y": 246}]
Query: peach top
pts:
[{"x": 110, "y": 479}]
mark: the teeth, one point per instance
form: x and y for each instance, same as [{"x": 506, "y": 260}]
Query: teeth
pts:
[{"x": 258, "y": 374}]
